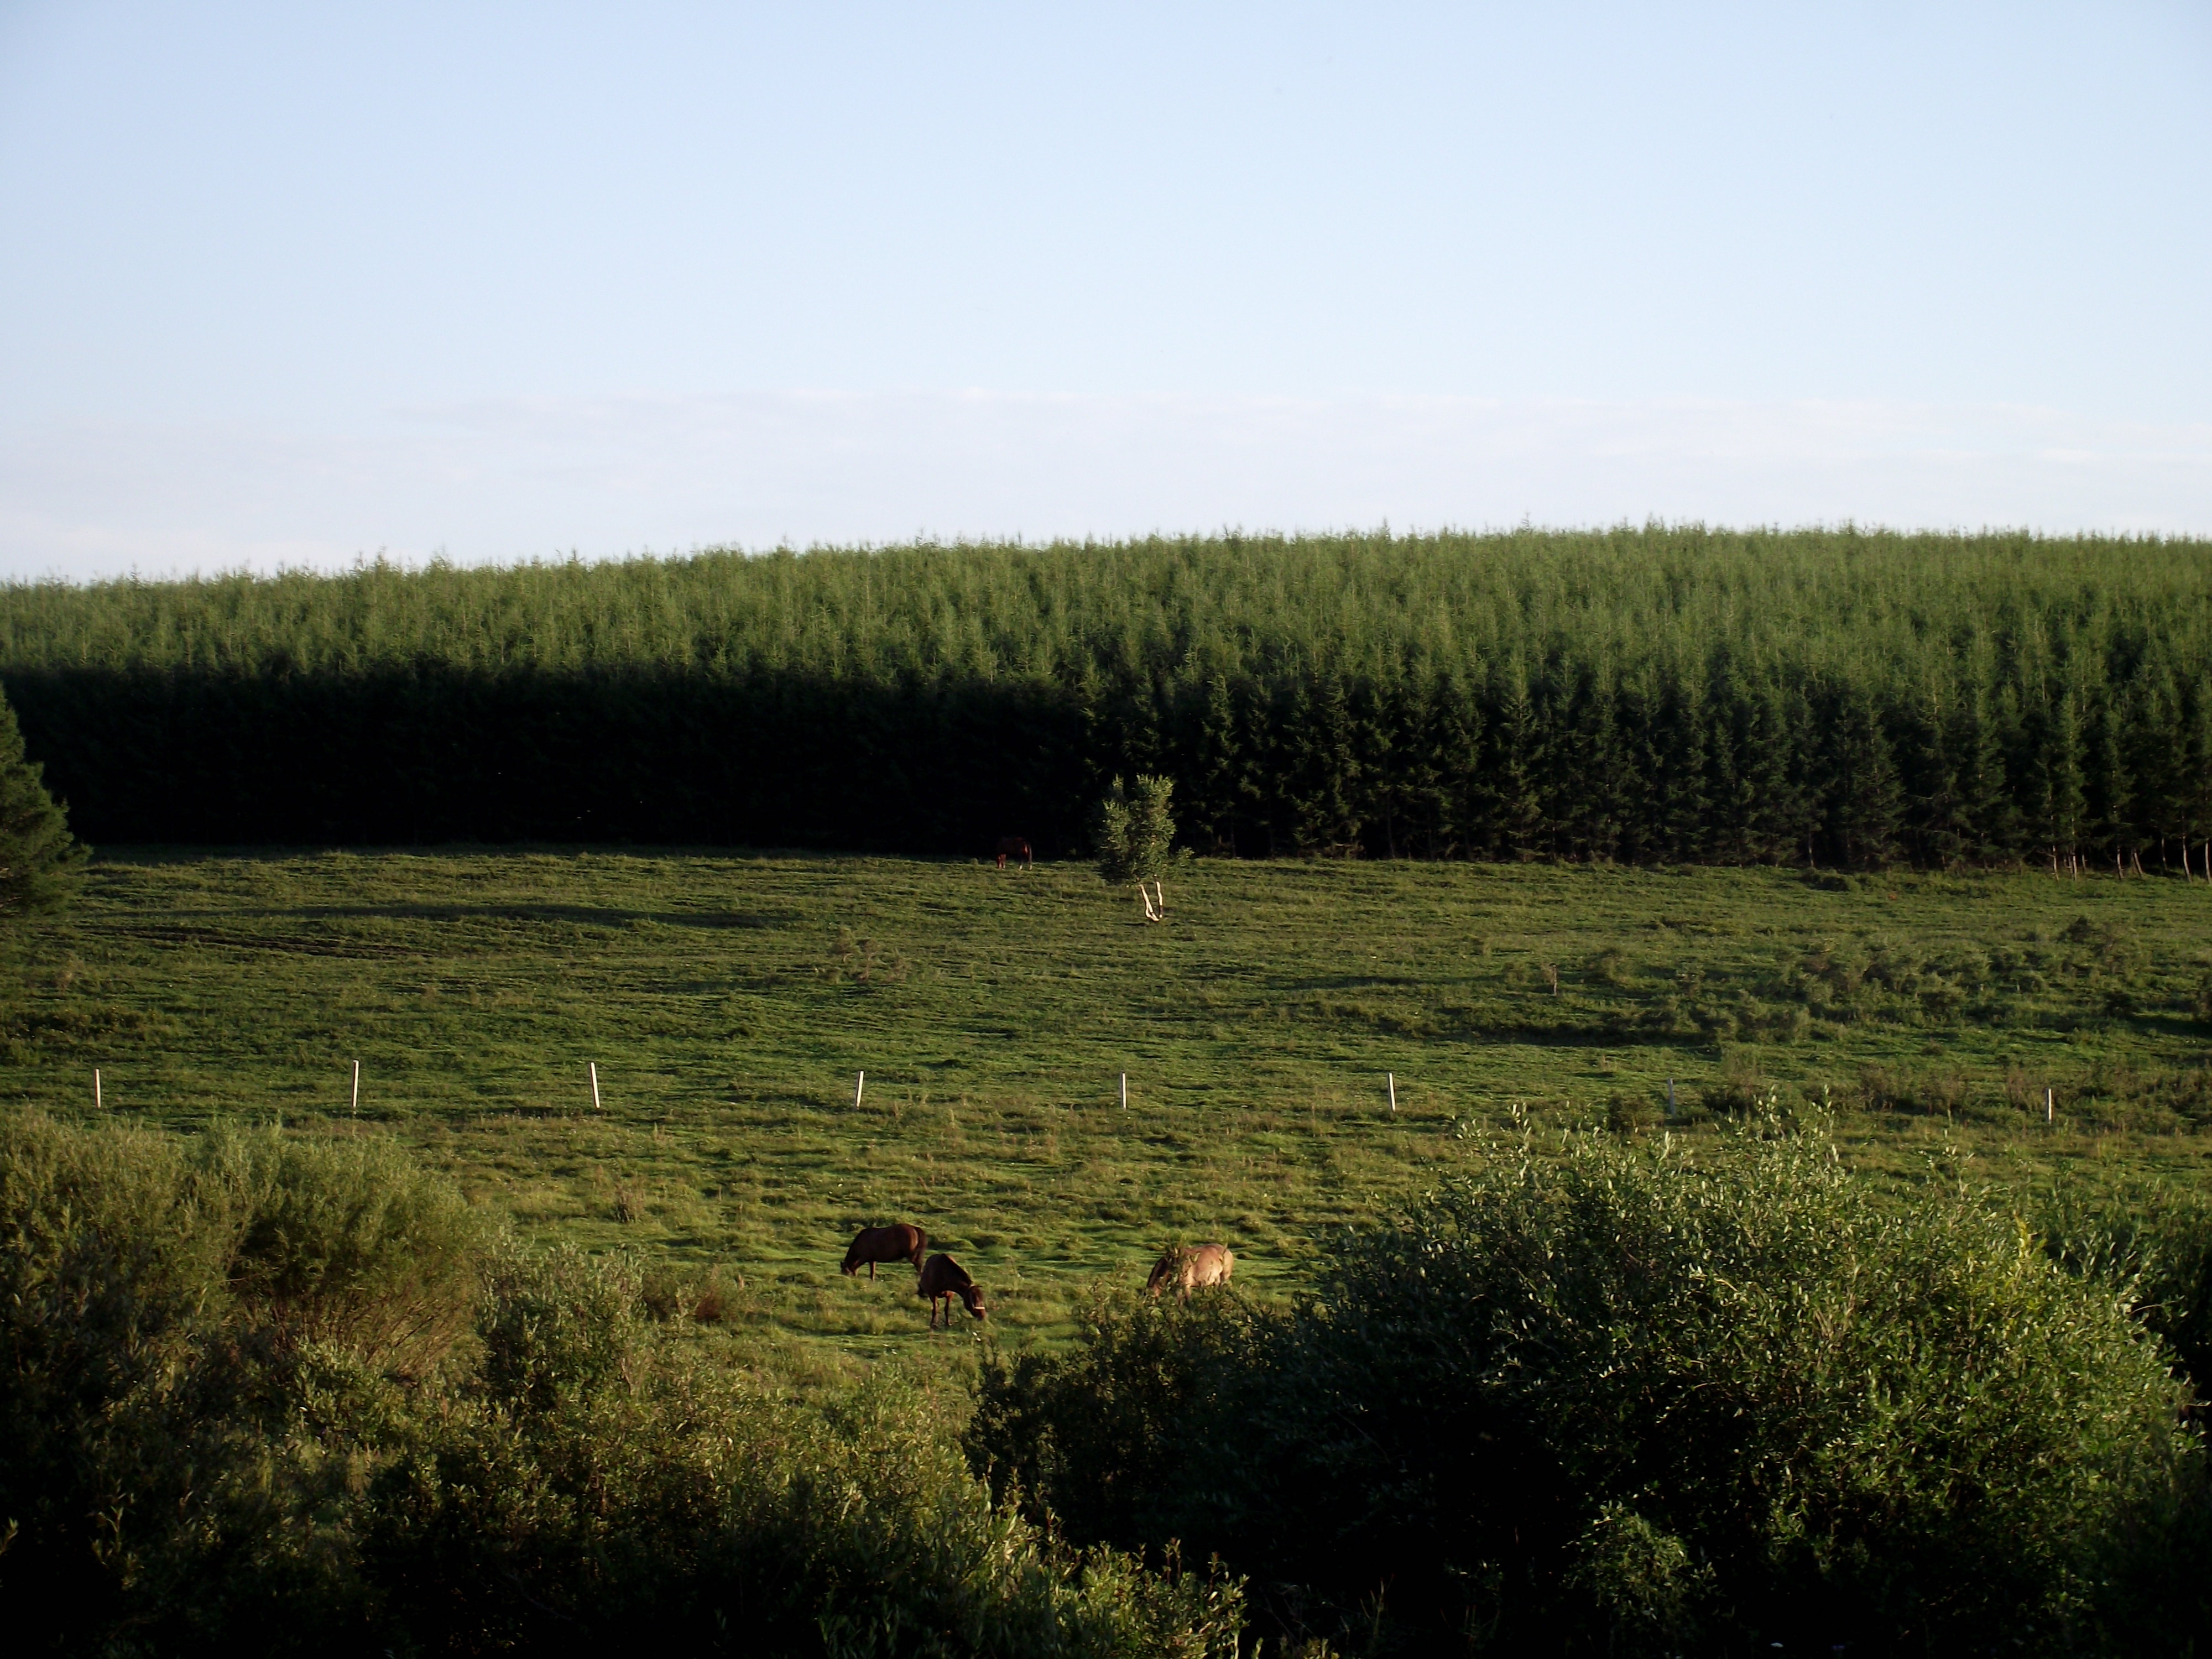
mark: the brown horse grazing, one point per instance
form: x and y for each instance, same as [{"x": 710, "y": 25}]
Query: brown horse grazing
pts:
[
  {"x": 941, "y": 1280},
  {"x": 1190, "y": 1268},
  {"x": 902, "y": 1243},
  {"x": 1013, "y": 847}
]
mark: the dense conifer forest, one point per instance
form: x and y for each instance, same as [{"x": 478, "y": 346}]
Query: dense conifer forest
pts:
[{"x": 1669, "y": 694}]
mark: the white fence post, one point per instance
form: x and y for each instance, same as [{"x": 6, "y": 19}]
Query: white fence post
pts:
[
  {"x": 1392, "y": 1077},
  {"x": 97, "y": 1104},
  {"x": 1124, "y": 1091},
  {"x": 595, "y": 1084},
  {"x": 356, "y": 1088},
  {"x": 858, "y": 1084}
]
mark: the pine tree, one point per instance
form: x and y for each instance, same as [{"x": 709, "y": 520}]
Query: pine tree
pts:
[
  {"x": 1263, "y": 758},
  {"x": 1731, "y": 760},
  {"x": 1376, "y": 763},
  {"x": 1328, "y": 768},
  {"x": 2195, "y": 777},
  {"x": 1865, "y": 800},
  {"x": 2062, "y": 801},
  {"x": 1513, "y": 815},
  {"x": 1983, "y": 816},
  {"x": 1591, "y": 821},
  {"x": 1457, "y": 743},
  {"x": 2152, "y": 741},
  {"x": 42, "y": 864},
  {"x": 1681, "y": 762},
  {"x": 2110, "y": 802},
  {"x": 1634, "y": 790},
  {"x": 1788, "y": 818}
]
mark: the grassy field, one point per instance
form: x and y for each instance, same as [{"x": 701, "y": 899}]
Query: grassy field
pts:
[{"x": 728, "y": 1003}]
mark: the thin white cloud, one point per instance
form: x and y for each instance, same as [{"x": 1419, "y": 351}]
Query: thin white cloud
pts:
[{"x": 510, "y": 478}]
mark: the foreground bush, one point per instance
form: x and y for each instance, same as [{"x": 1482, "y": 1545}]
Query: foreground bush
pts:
[
  {"x": 588, "y": 1479},
  {"x": 1617, "y": 1402},
  {"x": 266, "y": 1396},
  {"x": 162, "y": 1305},
  {"x": 2152, "y": 1244}
]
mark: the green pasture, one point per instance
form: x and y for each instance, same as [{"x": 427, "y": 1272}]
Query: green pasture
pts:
[{"x": 729, "y": 1003}]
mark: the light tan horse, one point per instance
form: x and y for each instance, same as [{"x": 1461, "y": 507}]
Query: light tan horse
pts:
[{"x": 1190, "y": 1267}]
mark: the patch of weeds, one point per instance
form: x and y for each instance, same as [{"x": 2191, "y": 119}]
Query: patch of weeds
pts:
[
  {"x": 1743, "y": 1086},
  {"x": 1884, "y": 1088},
  {"x": 1627, "y": 1113},
  {"x": 857, "y": 961}
]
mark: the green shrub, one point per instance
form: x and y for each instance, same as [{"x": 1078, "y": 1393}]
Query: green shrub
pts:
[
  {"x": 1612, "y": 1400},
  {"x": 621, "y": 1494},
  {"x": 1627, "y": 1113},
  {"x": 1121, "y": 1444},
  {"x": 265, "y": 1394},
  {"x": 349, "y": 1241},
  {"x": 2150, "y": 1243},
  {"x": 145, "y": 1461},
  {"x": 1864, "y": 1424}
]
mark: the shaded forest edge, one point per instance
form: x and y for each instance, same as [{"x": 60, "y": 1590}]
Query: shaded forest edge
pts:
[{"x": 1830, "y": 698}]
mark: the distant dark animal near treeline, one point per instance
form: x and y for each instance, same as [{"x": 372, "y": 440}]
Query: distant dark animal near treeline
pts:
[
  {"x": 1013, "y": 847},
  {"x": 901, "y": 1241},
  {"x": 1186, "y": 1268},
  {"x": 943, "y": 1278}
]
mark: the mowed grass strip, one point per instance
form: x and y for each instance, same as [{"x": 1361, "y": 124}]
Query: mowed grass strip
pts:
[{"x": 730, "y": 1002}]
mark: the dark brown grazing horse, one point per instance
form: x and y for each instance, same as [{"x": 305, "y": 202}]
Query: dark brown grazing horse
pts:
[
  {"x": 1188, "y": 1269},
  {"x": 1013, "y": 847},
  {"x": 902, "y": 1243},
  {"x": 943, "y": 1278}
]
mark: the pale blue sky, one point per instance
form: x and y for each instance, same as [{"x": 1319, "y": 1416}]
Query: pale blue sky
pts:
[{"x": 298, "y": 282}]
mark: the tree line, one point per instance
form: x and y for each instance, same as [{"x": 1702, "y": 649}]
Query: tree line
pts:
[{"x": 1671, "y": 693}]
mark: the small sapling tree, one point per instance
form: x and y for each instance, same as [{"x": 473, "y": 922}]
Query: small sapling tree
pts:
[
  {"x": 1135, "y": 833},
  {"x": 42, "y": 864}
]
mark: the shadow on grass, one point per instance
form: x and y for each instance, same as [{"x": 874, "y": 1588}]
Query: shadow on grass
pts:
[{"x": 586, "y": 915}]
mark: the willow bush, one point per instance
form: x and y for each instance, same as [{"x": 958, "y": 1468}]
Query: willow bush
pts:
[
  {"x": 2149, "y": 1241},
  {"x": 1614, "y": 1399},
  {"x": 265, "y": 1394},
  {"x": 1666, "y": 694}
]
